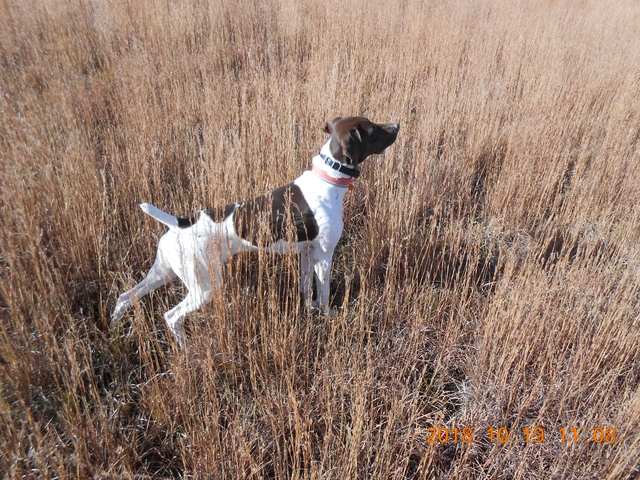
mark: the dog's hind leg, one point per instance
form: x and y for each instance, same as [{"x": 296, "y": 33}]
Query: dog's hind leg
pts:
[
  {"x": 200, "y": 293},
  {"x": 159, "y": 275}
]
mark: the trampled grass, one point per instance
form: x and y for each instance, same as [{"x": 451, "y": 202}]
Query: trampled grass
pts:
[{"x": 486, "y": 283}]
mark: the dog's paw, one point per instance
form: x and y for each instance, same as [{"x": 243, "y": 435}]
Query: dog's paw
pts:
[
  {"x": 122, "y": 305},
  {"x": 118, "y": 313},
  {"x": 315, "y": 307}
]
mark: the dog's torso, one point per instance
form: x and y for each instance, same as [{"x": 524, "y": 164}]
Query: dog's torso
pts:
[{"x": 306, "y": 212}]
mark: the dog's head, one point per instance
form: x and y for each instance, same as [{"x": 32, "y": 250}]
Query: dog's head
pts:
[{"x": 353, "y": 139}]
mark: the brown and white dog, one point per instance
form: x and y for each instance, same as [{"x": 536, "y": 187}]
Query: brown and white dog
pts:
[{"x": 303, "y": 217}]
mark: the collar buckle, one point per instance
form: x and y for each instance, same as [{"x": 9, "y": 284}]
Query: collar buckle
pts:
[{"x": 330, "y": 162}]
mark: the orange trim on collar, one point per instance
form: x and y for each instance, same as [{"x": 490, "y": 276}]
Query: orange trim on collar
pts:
[{"x": 341, "y": 182}]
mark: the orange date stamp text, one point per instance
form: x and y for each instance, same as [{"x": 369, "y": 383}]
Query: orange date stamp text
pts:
[{"x": 605, "y": 435}]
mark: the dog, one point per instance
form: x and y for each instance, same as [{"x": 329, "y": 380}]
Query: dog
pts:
[{"x": 302, "y": 217}]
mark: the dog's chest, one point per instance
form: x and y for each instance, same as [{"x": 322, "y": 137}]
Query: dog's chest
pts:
[
  {"x": 324, "y": 200},
  {"x": 326, "y": 203}
]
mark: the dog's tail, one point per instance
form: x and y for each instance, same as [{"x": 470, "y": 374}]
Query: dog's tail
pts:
[{"x": 163, "y": 217}]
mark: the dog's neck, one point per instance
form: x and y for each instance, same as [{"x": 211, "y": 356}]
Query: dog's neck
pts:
[{"x": 328, "y": 174}]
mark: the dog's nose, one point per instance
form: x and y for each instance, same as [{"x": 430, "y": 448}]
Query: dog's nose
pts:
[{"x": 392, "y": 127}]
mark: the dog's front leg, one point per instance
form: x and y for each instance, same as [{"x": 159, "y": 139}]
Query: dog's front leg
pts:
[
  {"x": 306, "y": 276},
  {"x": 322, "y": 268}
]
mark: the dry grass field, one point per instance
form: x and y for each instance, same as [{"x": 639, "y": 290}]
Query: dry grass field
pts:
[{"x": 487, "y": 284}]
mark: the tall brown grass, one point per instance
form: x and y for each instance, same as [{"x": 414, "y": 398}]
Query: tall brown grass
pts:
[{"x": 488, "y": 275}]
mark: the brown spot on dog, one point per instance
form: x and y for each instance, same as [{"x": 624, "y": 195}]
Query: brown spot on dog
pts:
[
  {"x": 282, "y": 214},
  {"x": 220, "y": 214}
]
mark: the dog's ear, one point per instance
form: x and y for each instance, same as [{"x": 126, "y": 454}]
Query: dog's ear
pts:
[
  {"x": 329, "y": 125},
  {"x": 352, "y": 145}
]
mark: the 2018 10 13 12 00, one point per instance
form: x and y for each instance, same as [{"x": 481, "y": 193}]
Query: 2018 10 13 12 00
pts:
[{"x": 604, "y": 435}]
